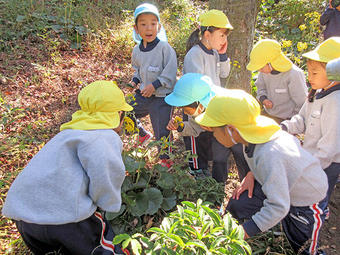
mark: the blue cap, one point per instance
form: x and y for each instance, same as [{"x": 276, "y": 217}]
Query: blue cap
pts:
[
  {"x": 190, "y": 88},
  {"x": 148, "y": 8}
]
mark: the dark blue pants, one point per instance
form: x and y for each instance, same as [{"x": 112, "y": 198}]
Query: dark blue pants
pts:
[
  {"x": 160, "y": 113},
  {"x": 208, "y": 148},
  {"x": 332, "y": 173},
  {"x": 301, "y": 225},
  {"x": 93, "y": 235}
]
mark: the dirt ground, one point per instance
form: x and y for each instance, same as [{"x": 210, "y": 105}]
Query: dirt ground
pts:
[{"x": 330, "y": 233}]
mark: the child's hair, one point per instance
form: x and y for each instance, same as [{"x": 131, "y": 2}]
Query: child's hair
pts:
[
  {"x": 193, "y": 105},
  {"x": 196, "y": 36}
]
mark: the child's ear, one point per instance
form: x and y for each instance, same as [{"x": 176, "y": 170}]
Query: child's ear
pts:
[{"x": 136, "y": 29}]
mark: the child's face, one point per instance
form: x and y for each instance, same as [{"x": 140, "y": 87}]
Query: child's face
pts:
[
  {"x": 217, "y": 39},
  {"x": 317, "y": 75},
  {"x": 266, "y": 69},
  {"x": 193, "y": 111},
  {"x": 222, "y": 136},
  {"x": 147, "y": 26}
]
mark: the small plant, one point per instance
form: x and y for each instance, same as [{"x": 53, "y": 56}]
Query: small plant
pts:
[{"x": 192, "y": 229}]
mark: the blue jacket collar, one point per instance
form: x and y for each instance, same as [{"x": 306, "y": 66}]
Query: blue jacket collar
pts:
[{"x": 149, "y": 46}]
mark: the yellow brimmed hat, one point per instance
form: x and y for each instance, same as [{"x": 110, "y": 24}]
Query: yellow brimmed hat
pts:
[
  {"x": 326, "y": 51},
  {"x": 215, "y": 18},
  {"x": 237, "y": 108},
  {"x": 99, "y": 104},
  {"x": 268, "y": 51}
]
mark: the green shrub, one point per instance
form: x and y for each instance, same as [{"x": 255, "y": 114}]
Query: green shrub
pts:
[{"x": 192, "y": 229}]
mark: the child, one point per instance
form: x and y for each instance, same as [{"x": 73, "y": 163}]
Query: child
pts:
[
  {"x": 54, "y": 201},
  {"x": 155, "y": 65},
  {"x": 319, "y": 117},
  {"x": 281, "y": 85},
  {"x": 290, "y": 186},
  {"x": 331, "y": 19},
  {"x": 206, "y": 54},
  {"x": 193, "y": 92}
]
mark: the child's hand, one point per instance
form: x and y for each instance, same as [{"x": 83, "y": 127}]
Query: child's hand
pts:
[
  {"x": 246, "y": 184},
  {"x": 148, "y": 90},
  {"x": 224, "y": 48},
  {"x": 172, "y": 125},
  {"x": 267, "y": 103}
]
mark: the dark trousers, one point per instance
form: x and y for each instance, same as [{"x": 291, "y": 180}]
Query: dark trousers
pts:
[
  {"x": 160, "y": 113},
  {"x": 206, "y": 147},
  {"x": 332, "y": 173},
  {"x": 93, "y": 235},
  {"x": 301, "y": 225}
]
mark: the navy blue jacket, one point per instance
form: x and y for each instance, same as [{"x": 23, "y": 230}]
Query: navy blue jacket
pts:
[{"x": 331, "y": 19}]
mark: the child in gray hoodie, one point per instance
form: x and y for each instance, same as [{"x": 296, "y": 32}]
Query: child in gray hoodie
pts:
[
  {"x": 290, "y": 185},
  {"x": 56, "y": 201}
]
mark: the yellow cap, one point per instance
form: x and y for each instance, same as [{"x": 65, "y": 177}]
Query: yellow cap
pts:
[
  {"x": 326, "y": 51},
  {"x": 100, "y": 103},
  {"x": 215, "y": 18},
  {"x": 238, "y": 108},
  {"x": 268, "y": 51}
]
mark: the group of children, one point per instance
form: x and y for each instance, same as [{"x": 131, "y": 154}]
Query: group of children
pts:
[{"x": 57, "y": 200}]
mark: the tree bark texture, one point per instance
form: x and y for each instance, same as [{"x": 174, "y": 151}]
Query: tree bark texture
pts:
[{"x": 242, "y": 16}]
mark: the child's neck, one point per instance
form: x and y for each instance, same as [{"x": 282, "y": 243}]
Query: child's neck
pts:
[{"x": 206, "y": 43}]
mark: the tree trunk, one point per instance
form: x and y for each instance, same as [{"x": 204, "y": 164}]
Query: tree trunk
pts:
[{"x": 242, "y": 16}]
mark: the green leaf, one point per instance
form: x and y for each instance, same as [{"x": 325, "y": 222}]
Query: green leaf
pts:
[
  {"x": 166, "y": 181},
  {"x": 236, "y": 247},
  {"x": 20, "y": 18},
  {"x": 132, "y": 165},
  {"x": 169, "y": 202},
  {"x": 140, "y": 206},
  {"x": 57, "y": 28},
  {"x": 112, "y": 215},
  {"x": 126, "y": 242},
  {"x": 197, "y": 243},
  {"x": 127, "y": 184},
  {"x": 166, "y": 224},
  {"x": 190, "y": 204},
  {"x": 141, "y": 184},
  {"x": 176, "y": 239},
  {"x": 136, "y": 247},
  {"x": 155, "y": 199},
  {"x": 180, "y": 211},
  {"x": 194, "y": 214},
  {"x": 156, "y": 230},
  {"x": 213, "y": 215},
  {"x": 160, "y": 168},
  {"x": 119, "y": 238}
]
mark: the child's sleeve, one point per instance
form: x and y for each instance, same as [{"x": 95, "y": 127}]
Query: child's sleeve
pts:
[
  {"x": 191, "y": 128},
  {"x": 298, "y": 90},
  {"x": 224, "y": 65},
  {"x": 326, "y": 15},
  {"x": 261, "y": 88},
  {"x": 296, "y": 125},
  {"x": 167, "y": 78},
  {"x": 103, "y": 164},
  {"x": 275, "y": 187},
  {"x": 328, "y": 146},
  {"x": 136, "y": 76}
]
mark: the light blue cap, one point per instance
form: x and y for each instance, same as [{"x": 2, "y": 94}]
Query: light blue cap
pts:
[
  {"x": 190, "y": 88},
  {"x": 148, "y": 8}
]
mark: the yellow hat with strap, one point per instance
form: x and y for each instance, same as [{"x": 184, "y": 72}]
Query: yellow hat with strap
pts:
[
  {"x": 268, "y": 51},
  {"x": 238, "y": 108},
  {"x": 100, "y": 103},
  {"x": 215, "y": 18},
  {"x": 326, "y": 51}
]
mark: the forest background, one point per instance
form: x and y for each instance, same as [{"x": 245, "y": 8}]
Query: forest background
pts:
[{"x": 49, "y": 50}]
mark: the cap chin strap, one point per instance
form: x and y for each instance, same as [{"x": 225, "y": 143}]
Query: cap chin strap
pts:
[{"x": 231, "y": 136}]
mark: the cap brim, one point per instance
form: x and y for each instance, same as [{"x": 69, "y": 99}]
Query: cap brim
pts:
[
  {"x": 205, "y": 120},
  {"x": 177, "y": 101},
  {"x": 313, "y": 55},
  {"x": 261, "y": 132},
  {"x": 252, "y": 66},
  {"x": 126, "y": 107}
]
